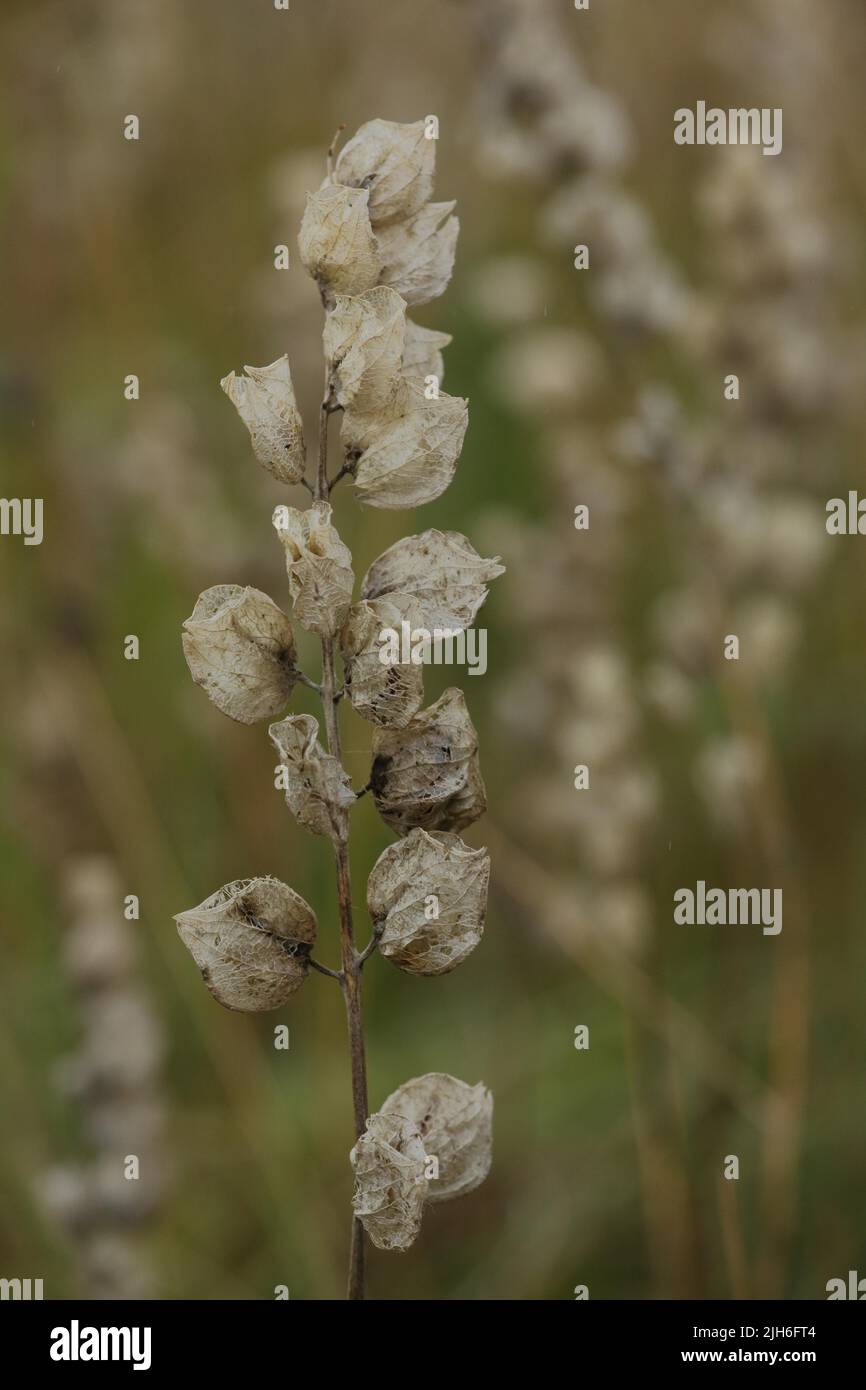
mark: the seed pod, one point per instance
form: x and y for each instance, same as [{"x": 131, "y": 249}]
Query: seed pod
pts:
[
  {"x": 427, "y": 774},
  {"x": 406, "y": 455},
  {"x": 443, "y": 573},
  {"x": 364, "y": 336},
  {"x": 336, "y": 241},
  {"x": 395, "y": 162},
  {"x": 390, "y": 1183},
  {"x": 455, "y": 1122},
  {"x": 422, "y": 353},
  {"x": 265, "y": 401},
  {"x": 387, "y": 692},
  {"x": 319, "y": 567},
  {"x": 239, "y": 648},
  {"x": 418, "y": 255},
  {"x": 317, "y": 789},
  {"x": 423, "y": 872},
  {"x": 251, "y": 940}
]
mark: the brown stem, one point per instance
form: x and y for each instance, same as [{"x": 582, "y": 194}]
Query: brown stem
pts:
[{"x": 351, "y": 964}]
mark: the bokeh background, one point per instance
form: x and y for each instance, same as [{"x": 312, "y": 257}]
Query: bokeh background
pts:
[{"x": 602, "y": 387}]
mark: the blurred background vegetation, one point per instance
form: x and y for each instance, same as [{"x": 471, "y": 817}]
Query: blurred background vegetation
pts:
[{"x": 156, "y": 258}]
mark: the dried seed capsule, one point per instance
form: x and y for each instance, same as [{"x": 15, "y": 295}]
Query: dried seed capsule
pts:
[
  {"x": 407, "y": 454},
  {"x": 422, "y": 353},
  {"x": 427, "y": 774},
  {"x": 364, "y": 337},
  {"x": 427, "y": 895},
  {"x": 251, "y": 940},
  {"x": 455, "y": 1122},
  {"x": 239, "y": 648},
  {"x": 390, "y": 1183},
  {"x": 441, "y": 570},
  {"x": 318, "y": 792},
  {"x": 418, "y": 255},
  {"x": 319, "y": 567},
  {"x": 265, "y": 401},
  {"x": 396, "y": 162},
  {"x": 336, "y": 241},
  {"x": 385, "y": 691}
]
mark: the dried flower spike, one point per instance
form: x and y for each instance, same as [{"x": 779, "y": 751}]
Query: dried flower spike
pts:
[{"x": 373, "y": 241}]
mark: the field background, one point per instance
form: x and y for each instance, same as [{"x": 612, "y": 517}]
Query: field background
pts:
[{"x": 156, "y": 258}]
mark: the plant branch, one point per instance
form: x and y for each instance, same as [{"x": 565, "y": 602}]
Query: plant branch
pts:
[
  {"x": 325, "y": 970},
  {"x": 346, "y": 469},
  {"x": 351, "y": 971},
  {"x": 303, "y": 679},
  {"x": 370, "y": 946}
]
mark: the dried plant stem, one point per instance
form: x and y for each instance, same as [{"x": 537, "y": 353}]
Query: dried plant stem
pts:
[{"x": 350, "y": 981}]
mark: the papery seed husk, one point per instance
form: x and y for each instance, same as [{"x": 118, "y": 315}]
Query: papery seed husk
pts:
[
  {"x": 427, "y": 774},
  {"x": 422, "y": 353},
  {"x": 417, "y": 255},
  {"x": 319, "y": 567},
  {"x": 395, "y": 161},
  {"x": 388, "y": 694},
  {"x": 399, "y": 889},
  {"x": 336, "y": 241},
  {"x": 455, "y": 1122},
  {"x": 441, "y": 570},
  {"x": 407, "y": 455},
  {"x": 251, "y": 940},
  {"x": 364, "y": 339},
  {"x": 240, "y": 649},
  {"x": 265, "y": 401},
  {"x": 318, "y": 791},
  {"x": 390, "y": 1183}
]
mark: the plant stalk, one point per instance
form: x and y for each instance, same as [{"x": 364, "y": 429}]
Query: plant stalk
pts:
[{"x": 351, "y": 963}]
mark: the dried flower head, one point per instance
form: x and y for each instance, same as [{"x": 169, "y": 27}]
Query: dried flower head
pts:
[
  {"x": 318, "y": 792},
  {"x": 427, "y": 774},
  {"x": 441, "y": 570},
  {"x": 364, "y": 339},
  {"x": 390, "y": 1183},
  {"x": 455, "y": 1122},
  {"x": 385, "y": 692},
  {"x": 336, "y": 241},
  {"x": 251, "y": 940},
  {"x": 265, "y": 401},
  {"x": 405, "y": 455},
  {"x": 427, "y": 895},
  {"x": 239, "y": 648},
  {"x": 418, "y": 255},
  {"x": 319, "y": 567},
  {"x": 422, "y": 353},
  {"x": 395, "y": 162}
]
